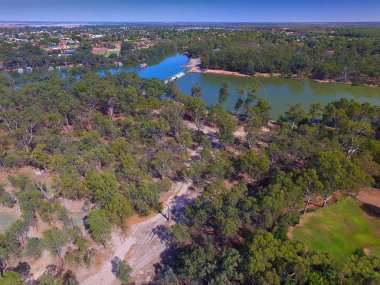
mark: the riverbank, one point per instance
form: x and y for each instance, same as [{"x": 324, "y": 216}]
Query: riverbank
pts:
[
  {"x": 218, "y": 71},
  {"x": 194, "y": 66}
]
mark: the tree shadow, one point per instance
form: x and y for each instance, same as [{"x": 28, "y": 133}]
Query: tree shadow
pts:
[
  {"x": 23, "y": 268},
  {"x": 115, "y": 262},
  {"x": 371, "y": 210},
  {"x": 178, "y": 206},
  {"x": 160, "y": 269},
  {"x": 213, "y": 138},
  {"x": 161, "y": 232}
]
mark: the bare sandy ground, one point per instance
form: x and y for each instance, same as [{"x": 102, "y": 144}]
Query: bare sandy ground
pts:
[
  {"x": 194, "y": 67},
  {"x": 218, "y": 71},
  {"x": 206, "y": 129},
  {"x": 369, "y": 195},
  {"x": 141, "y": 247},
  {"x": 238, "y": 133}
]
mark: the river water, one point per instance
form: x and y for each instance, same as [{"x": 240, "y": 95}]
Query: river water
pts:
[
  {"x": 162, "y": 70},
  {"x": 279, "y": 92}
]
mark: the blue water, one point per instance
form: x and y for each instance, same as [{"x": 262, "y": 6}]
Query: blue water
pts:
[
  {"x": 163, "y": 70},
  {"x": 279, "y": 92}
]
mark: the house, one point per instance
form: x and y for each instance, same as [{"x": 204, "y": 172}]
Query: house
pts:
[
  {"x": 29, "y": 69},
  {"x": 20, "y": 71},
  {"x": 119, "y": 64},
  {"x": 50, "y": 68}
]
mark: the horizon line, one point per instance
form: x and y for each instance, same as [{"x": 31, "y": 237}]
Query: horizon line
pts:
[{"x": 191, "y": 22}]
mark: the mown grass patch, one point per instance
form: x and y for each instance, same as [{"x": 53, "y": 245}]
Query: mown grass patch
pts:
[
  {"x": 109, "y": 52},
  {"x": 340, "y": 229}
]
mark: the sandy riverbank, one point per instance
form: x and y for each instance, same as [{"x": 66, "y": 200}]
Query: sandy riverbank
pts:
[
  {"x": 194, "y": 66},
  {"x": 226, "y": 72}
]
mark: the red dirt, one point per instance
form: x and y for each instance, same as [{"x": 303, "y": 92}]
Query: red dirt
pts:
[{"x": 369, "y": 195}]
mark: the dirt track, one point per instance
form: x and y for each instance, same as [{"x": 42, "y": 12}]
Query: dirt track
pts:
[
  {"x": 142, "y": 247},
  {"x": 369, "y": 195}
]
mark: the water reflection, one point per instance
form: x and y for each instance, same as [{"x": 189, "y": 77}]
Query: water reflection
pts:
[{"x": 280, "y": 92}]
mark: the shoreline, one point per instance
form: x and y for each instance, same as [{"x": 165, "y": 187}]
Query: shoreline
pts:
[{"x": 196, "y": 69}]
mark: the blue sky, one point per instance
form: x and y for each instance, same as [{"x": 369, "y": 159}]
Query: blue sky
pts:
[{"x": 191, "y": 10}]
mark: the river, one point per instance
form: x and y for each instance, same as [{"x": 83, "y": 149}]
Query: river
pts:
[
  {"x": 168, "y": 67},
  {"x": 279, "y": 92}
]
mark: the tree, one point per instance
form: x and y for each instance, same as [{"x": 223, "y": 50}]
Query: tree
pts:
[
  {"x": 10, "y": 278},
  {"x": 197, "y": 109},
  {"x": 3, "y": 263},
  {"x": 295, "y": 114},
  {"x": 34, "y": 247},
  {"x": 124, "y": 271},
  {"x": 246, "y": 98},
  {"x": 199, "y": 263},
  {"x": 69, "y": 185},
  {"x": 173, "y": 113},
  {"x": 18, "y": 229},
  {"x": 118, "y": 209},
  {"x": 224, "y": 93},
  {"x": 273, "y": 261},
  {"x": 315, "y": 110},
  {"x": 308, "y": 180},
  {"x": 336, "y": 172},
  {"x": 257, "y": 116},
  {"x": 361, "y": 269},
  {"x": 103, "y": 186},
  {"x": 126, "y": 48},
  {"x": 172, "y": 90},
  {"x": 225, "y": 123},
  {"x": 99, "y": 225},
  {"x": 144, "y": 196},
  {"x": 179, "y": 234},
  {"x": 196, "y": 90},
  {"x": 54, "y": 239},
  {"x": 254, "y": 164},
  {"x": 161, "y": 163}
]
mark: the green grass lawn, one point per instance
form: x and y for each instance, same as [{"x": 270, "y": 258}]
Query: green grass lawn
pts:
[
  {"x": 109, "y": 52},
  {"x": 340, "y": 229}
]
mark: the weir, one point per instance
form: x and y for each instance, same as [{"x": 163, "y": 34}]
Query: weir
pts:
[{"x": 176, "y": 76}]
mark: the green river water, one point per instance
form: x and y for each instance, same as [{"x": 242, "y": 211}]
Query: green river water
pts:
[{"x": 279, "y": 92}]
